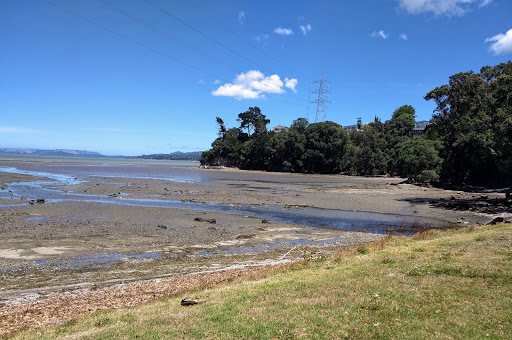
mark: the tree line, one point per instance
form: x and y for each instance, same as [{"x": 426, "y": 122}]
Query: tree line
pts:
[{"x": 468, "y": 140}]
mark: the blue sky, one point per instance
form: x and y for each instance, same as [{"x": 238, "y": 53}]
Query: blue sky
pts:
[{"x": 131, "y": 77}]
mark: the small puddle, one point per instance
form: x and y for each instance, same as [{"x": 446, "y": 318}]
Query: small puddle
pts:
[{"x": 35, "y": 219}]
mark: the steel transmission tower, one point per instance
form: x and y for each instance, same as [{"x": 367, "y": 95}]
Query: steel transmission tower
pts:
[{"x": 320, "y": 102}]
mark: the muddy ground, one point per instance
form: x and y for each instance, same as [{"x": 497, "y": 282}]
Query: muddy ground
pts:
[{"x": 60, "y": 245}]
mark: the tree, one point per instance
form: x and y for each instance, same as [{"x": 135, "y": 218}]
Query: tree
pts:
[
  {"x": 396, "y": 131},
  {"x": 300, "y": 125},
  {"x": 325, "y": 145},
  {"x": 366, "y": 154},
  {"x": 474, "y": 119},
  {"x": 256, "y": 153},
  {"x": 405, "y": 111},
  {"x": 222, "y": 127},
  {"x": 253, "y": 119},
  {"x": 419, "y": 159}
]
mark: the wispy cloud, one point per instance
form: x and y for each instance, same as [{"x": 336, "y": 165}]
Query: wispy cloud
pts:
[
  {"x": 254, "y": 85},
  {"x": 283, "y": 31},
  {"x": 261, "y": 37},
  {"x": 241, "y": 17},
  {"x": 305, "y": 29},
  {"x": 403, "y": 36},
  {"x": 379, "y": 34},
  {"x": 13, "y": 129},
  {"x": 485, "y": 3},
  {"x": 441, "y": 7},
  {"x": 501, "y": 43}
]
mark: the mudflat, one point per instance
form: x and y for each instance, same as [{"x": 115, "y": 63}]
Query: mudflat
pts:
[{"x": 104, "y": 222}]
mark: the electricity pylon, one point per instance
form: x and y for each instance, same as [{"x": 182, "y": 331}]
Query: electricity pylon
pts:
[{"x": 320, "y": 102}]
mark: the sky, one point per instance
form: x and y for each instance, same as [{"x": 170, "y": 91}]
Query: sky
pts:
[{"x": 132, "y": 77}]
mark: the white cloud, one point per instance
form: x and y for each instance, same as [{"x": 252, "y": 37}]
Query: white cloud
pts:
[
  {"x": 439, "y": 7},
  {"x": 291, "y": 84},
  {"x": 379, "y": 34},
  {"x": 305, "y": 29},
  {"x": 12, "y": 129},
  {"x": 403, "y": 36},
  {"x": 253, "y": 85},
  {"x": 241, "y": 17},
  {"x": 217, "y": 81},
  {"x": 283, "y": 31},
  {"x": 501, "y": 43}
]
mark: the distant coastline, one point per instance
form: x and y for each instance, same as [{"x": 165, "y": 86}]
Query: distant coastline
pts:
[
  {"x": 175, "y": 156},
  {"x": 18, "y": 152}
]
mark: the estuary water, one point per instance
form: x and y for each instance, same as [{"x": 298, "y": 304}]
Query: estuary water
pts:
[{"x": 60, "y": 172}]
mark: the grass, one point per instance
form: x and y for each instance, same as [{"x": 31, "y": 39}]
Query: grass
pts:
[{"x": 438, "y": 284}]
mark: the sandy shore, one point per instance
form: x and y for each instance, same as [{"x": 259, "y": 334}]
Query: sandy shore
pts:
[{"x": 66, "y": 245}]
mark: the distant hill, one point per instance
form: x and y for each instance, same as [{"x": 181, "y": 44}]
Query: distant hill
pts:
[
  {"x": 176, "y": 156},
  {"x": 58, "y": 152}
]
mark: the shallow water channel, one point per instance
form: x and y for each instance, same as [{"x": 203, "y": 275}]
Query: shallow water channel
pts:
[{"x": 324, "y": 218}]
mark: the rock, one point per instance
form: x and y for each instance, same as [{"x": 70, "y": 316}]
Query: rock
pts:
[
  {"x": 23, "y": 198},
  {"x": 497, "y": 220},
  {"x": 209, "y": 220},
  {"x": 161, "y": 226},
  {"x": 264, "y": 221},
  {"x": 40, "y": 200},
  {"x": 191, "y": 302}
]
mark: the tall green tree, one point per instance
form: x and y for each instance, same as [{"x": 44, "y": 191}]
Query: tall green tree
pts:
[
  {"x": 396, "y": 131},
  {"x": 405, "y": 111},
  {"x": 419, "y": 159},
  {"x": 474, "y": 119},
  {"x": 325, "y": 145},
  {"x": 253, "y": 120}
]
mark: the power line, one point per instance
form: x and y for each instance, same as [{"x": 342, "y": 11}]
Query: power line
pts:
[
  {"x": 174, "y": 17},
  {"x": 167, "y": 35},
  {"x": 215, "y": 21},
  {"x": 132, "y": 40},
  {"x": 105, "y": 28},
  {"x": 186, "y": 45}
]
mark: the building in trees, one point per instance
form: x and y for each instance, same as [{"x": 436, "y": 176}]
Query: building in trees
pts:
[
  {"x": 420, "y": 126},
  {"x": 280, "y": 128}
]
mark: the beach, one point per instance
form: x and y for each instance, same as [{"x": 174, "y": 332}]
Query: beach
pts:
[{"x": 68, "y": 225}]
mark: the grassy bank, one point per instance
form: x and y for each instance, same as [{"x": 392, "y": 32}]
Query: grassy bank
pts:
[{"x": 438, "y": 284}]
